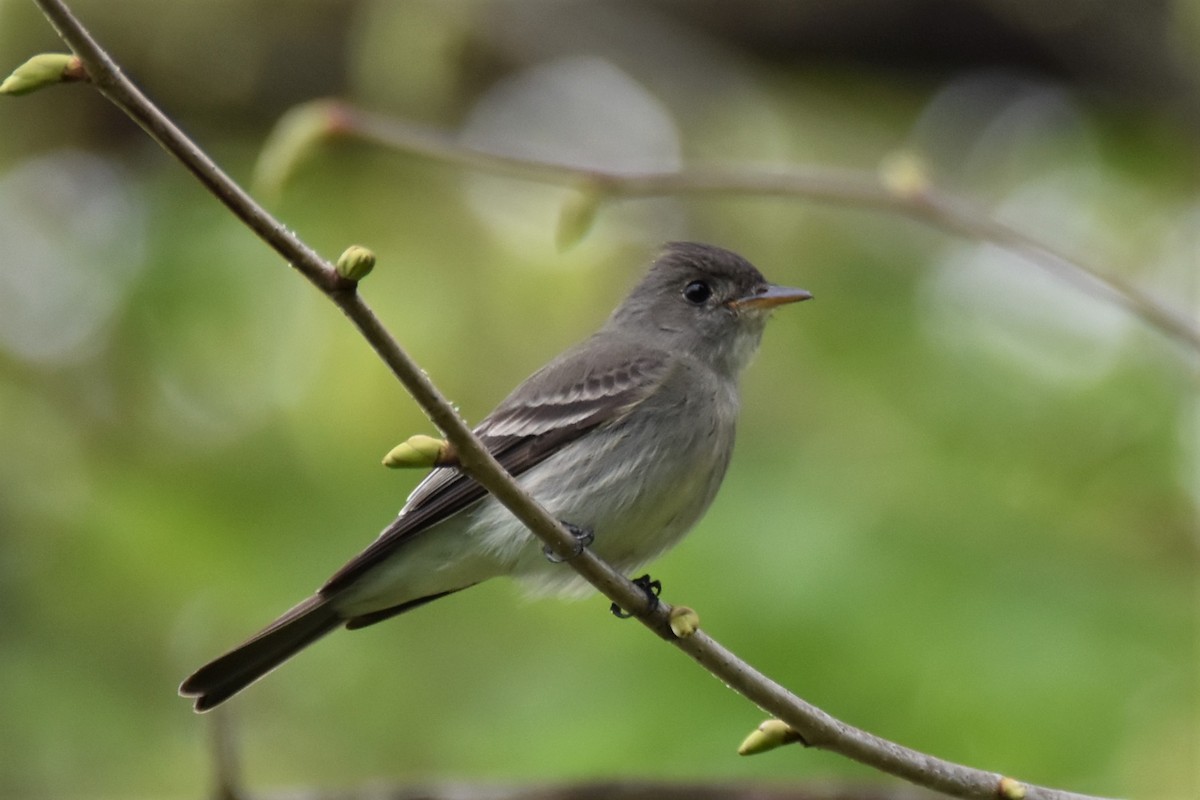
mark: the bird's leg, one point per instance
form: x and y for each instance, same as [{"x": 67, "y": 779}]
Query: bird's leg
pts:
[
  {"x": 583, "y": 538},
  {"x": 651, "y": 587}
]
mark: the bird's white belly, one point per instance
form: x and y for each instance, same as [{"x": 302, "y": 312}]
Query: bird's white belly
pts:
[{"x": 638, "y": 504}]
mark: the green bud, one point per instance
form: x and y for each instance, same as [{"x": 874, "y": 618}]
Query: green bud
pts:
[
  {"x": 905, "y": 174},
  {"x": 421, "y": 451},
  {"x": 577, "y": 216},
  {"x": 684, "y": 621},
  {"x": 771, "y": 734},
  {"x": 41, "y": 71},
  {"x": 297, "y": 133},
  {"x": 355, "y": 263},
  {"x": 1010, "y": 789}
]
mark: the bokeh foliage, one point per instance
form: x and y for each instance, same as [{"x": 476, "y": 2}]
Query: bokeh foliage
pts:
[{"x": 962, "y": 513}]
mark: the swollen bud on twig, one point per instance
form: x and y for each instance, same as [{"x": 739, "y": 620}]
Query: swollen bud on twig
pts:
[
  {"x": 905, "y": 174},
  {"x": 1010, "y": 789},
  {"x": 41, "y": 71},
  {"x": 684, "y": 621},
  {"x": 355, "y": 263},
  {"x": 297, "y": 133},
  {"x": 421, "y": 451},
  {"x": 771, "y": 734},
  {"x": 577, "y": 216}
]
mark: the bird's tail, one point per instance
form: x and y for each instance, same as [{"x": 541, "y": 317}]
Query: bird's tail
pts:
[{"x": 227, "y": 675}]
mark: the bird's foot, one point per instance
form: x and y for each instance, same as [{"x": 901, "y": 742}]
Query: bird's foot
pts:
[
  {"x": 651, "y": 587},
  {"x": 583, "y": 538}
]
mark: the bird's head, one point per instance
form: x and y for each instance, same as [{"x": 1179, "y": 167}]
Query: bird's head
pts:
[{"x": 704, "y": 301}]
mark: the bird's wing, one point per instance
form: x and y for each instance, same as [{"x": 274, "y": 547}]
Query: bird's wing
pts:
[{"x": 559, "y": 403}]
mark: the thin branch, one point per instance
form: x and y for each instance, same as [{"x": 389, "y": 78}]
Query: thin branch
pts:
[
  {"x": 817, "y": 728},
  {"x": 606, "y": 790},
  {"x": 920, "y": 201},
  {"x": 226, "y": 768}
]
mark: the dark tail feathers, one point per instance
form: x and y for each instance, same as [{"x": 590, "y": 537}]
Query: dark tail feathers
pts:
[{"x": 227, "y": 675}]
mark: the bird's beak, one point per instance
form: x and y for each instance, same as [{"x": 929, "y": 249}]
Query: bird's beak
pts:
[{"x": 769, "y": 296}]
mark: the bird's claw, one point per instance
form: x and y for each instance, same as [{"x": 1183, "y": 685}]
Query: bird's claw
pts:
[
  {"x": 652, "y": 589},
  {"x": 583, "y": 538}
]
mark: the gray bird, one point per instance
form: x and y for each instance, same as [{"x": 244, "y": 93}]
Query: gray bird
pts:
[{"x": 624, "y": 437}]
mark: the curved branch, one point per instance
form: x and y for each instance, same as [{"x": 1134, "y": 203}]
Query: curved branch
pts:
[
  {"x": 917, "y": 200},
  {"x": 818, "y": 728}
]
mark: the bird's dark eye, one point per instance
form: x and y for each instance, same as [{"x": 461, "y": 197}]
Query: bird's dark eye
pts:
[{"x": 697, "y": 292}]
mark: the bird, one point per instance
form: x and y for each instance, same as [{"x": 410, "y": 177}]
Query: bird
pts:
[{"x": 624, "y": 437}]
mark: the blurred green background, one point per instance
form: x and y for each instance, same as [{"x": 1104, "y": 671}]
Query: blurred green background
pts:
[{"x": 962, "y": 512}]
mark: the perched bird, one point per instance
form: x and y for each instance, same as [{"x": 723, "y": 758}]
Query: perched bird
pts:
[{"x": 624, "y": 437}]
